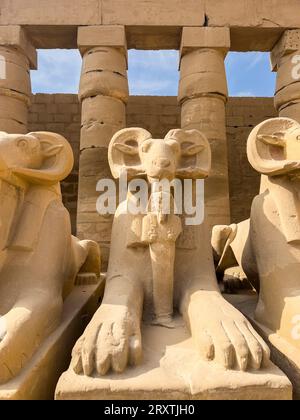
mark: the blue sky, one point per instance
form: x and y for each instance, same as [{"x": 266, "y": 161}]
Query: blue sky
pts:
[{"x": 153, "y": 73}]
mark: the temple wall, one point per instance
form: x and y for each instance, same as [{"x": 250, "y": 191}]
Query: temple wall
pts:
[{"x": 61, "y": 113}]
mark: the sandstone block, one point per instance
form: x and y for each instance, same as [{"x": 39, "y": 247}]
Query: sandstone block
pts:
[
  {"x": 15, "y": 36},
  {"x": 104, "y": 58},
  {"x": 153, "y": 12},
  {"x": 104, "y": 36},
  {"x": 288, "y": 44},
  {"x": 17, "y": 76},
  {"x": 197, "y": 37},
  {"x": 58, "y": 12},
  {"x": 171, "y": 369},
  {"x": 202, "y": 60},
  {"x": 291, "y": 111},
  {"x": 287, "y": 72},
  {"x": 104, "y": 83},
  {"x": 97, "y": 134},
  {"x": 290, "y": 93},
  {"x": 202, "y": 84},
  {"x": 11, "y": 108},
  {"x": 104, "y": 110},
  {"x": 285, "y": 356},
  {"x": 12, "y": 126},
  {"x": 39, "y": 378}
]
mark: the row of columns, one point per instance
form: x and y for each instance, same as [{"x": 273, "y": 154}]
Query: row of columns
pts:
[{"x": 103, "y": 94}]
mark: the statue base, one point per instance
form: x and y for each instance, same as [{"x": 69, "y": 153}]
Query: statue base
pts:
[
  {"x": 39, "y": 377},
  {"x": 283, "y": 354},
  {"x": 172, "y": 370}
]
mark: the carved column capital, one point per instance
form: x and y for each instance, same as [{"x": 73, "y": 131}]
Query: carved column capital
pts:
[
  {"x": 15, "y": 37},
  {"x": 288, "y": 44},
  {"x": 194, "y": 38},
  {"x": 113, "y": 36}
]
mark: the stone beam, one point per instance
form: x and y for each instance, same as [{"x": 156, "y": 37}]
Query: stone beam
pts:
[
  {"x": 14, "y": 36},
  {"x": 254, "y": 25},
  {"x": 215, "y": 13}
]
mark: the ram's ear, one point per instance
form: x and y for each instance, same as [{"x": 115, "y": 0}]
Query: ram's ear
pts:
[
  {"x": 57, "y": 160},
  {"x": 276, "y": 139},
  {"x": 125, "y": 148},
  {"x": 265, "y": 147},
  {"x": 195, "y": 155},
  {"x": 123, "y": 152},
  {"x": 192, "y": 150}
]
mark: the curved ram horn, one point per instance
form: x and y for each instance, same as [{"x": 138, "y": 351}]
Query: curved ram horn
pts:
[
  {"x": 57, "y": 157},
  {"x": 266, "y": 146},
  {"x": 195, "y": 153},
  {"x": 123, "y": 152}
]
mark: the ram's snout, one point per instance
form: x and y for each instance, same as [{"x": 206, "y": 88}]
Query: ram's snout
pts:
[{"x": 162, "y": 163}]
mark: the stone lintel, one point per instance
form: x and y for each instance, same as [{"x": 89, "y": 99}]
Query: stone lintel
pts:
[
  {"x": 16, "y": 37},
  {"x": 103, "y": 36},
  {"x": 287, "y": 44},
  {"x": 198, "y": 37}
]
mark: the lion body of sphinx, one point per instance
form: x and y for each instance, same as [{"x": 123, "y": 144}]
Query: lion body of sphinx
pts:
[
  {"x": 267, "y": 246},
  {"x": 39, "y": 258}
]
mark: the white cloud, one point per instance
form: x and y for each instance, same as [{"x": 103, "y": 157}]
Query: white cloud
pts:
[
  {"x": 58, "y": 72},
  {"x": 153, "y": 72},
  {"x": 244, "y": 93}
]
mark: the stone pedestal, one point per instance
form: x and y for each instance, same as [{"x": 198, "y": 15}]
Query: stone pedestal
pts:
[
  {"x": 203, "y": 95},
  {"x": 171, "y": 369},
  {"x": 283, "y": 354},
  {"x": 38, "y": 379},
  {"x": 103, "y": 94},
  {"x": 17, "y": 57},
  {"x": 285, "y": 59}
]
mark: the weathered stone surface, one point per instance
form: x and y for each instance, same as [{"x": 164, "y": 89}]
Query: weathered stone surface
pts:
[
  {"x": 202, "y": 95},
  {"x": 12, "y": 108},
  {"x": 105, "y": 58},
  {"x": 291, "y": 111},
  {"x": 39, "y": 256},
  {"x": 39, "y": 378},
  {"x": 285, "y": 58},
  {"x": 15, "y": 36},
  {"x": 288, "y": 44},
  {"x": 286, "y": 73},
  {"x": 104, "y": 73},
  {"x": 282, "y": 354},
  {"x": 196, "y": 37},
  {"x": 253, "y": 13},
  {"x": 16, "y": 71},
  {"x": 207, "y": 114},
  {"x": 172, "y": 370},
  {"x": 154, "y": 12},
  {"x": 105, "y": 36},
  {"x": 202, "y": 72},
  {"x": 58, "y": 12},
  {"x": 289, "y": 94},
  {"x": 254, "y": 24},
  {"x": 97, "y": 134},
  {"x": 10, "y": 125},
  {"x": 104, "y": 110}
]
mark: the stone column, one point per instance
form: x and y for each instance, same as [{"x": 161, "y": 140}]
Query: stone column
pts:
[
  {"x": 103, "y": 94},
  {"x": 285, "y": 59},
  {"x": 202, "y": 96},
  {"x": 17, "y": 57}
]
